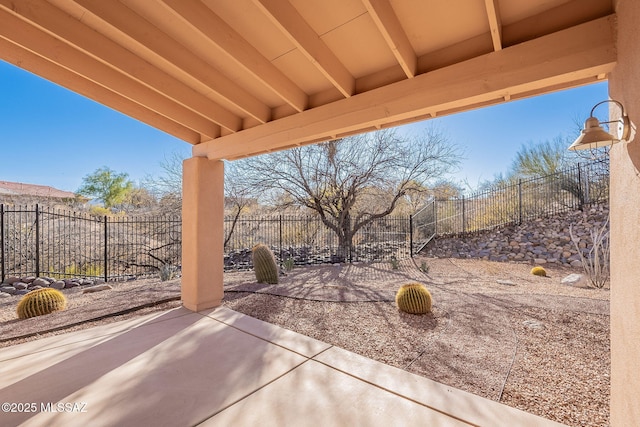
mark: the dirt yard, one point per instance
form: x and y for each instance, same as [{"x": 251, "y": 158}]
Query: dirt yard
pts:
[{"x": 531, "y": 343}]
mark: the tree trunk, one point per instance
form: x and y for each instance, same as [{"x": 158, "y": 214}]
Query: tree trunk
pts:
[{"x": 345, "y": 240}]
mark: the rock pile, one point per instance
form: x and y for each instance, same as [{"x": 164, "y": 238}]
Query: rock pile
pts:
[
  {"x": 240, "y": 259},
  {"x": 13, "y": 285},
  {"x": 541, "y": 241}
]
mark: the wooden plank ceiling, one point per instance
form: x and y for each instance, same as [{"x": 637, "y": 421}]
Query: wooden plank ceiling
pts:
[{"x": 241, "y": 77}]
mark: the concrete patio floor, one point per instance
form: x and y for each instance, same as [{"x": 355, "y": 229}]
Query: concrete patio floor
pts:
[{"x": 222, "y": 368}]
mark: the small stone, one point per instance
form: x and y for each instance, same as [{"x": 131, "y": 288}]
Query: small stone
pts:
[
  {"x": 71, "y": 284},
  {"x": 573, "y": 280},
  {"x": 33, "y": 288},
  {"x": 576, "y": 263},
  {"x": 533, "y": 324},
  {"x": 20, "y": 285},
  {"x": 506, "y": 282},
  {"x": 40, "y": 281},
  {"x": 28, "y": 279},
  {"x": 566, "y": 254},
  {"x": 22, "y": 291},
  {"x": 97, "y": 288},
  {"x": 10, "y": 280},
  {"x": 8, "y": 289},
  {"x": 539, "y": 261},
  {"x": 4, "y": 295},
  {"x": 58, "y": 284}
]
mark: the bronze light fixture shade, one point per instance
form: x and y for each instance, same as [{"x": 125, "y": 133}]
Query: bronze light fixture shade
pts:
[{"x": 594, "y": 136}]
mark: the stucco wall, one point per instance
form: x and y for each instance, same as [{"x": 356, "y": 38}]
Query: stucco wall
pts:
[{"x": 624, "y": 86}]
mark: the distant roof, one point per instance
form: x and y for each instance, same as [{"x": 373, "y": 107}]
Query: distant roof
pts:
[{"x": 21, "y": 189}]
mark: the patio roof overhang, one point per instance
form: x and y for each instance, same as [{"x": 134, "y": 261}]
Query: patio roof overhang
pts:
[
  {"x": 237, "y": 78},
  {"x": 243, "y": 77}
]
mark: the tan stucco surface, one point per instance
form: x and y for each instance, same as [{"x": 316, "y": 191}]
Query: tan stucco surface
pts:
[
  {"x": 202, "y": 233},
  {"x": 624, "y": 86}
]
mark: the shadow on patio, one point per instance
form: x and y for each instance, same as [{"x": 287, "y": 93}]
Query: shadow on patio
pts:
[{"x": 220, "y": 367}]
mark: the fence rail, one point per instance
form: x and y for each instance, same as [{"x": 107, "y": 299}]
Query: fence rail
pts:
[
  {"x": 51, "y": 242},
  {"x": 40, "y": 241},
  {"x": 307, "y": 240},
  {"x": 526, "y": 199}
]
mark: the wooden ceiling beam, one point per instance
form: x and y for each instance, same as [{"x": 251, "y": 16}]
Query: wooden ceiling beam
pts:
[
  {"x": 574, "y": 12},
  {"x": 146, "y": 34},
  {"x": 389, "y": 26},
  {"x": 495, "y": 23},
  {"x": 29, "y": 61},
  {"x": 558, "y": 59},
  {"x": 15, "y": 29},
  {"x": 292, "y": 24},
  {"x": 202, "y": 19},
  {"x": 78, "y": 35}
]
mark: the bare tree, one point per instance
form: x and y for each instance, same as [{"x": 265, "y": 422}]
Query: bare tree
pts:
[
  {"x": 167, "y": 187},
  {"x": 353, "y": 181}
]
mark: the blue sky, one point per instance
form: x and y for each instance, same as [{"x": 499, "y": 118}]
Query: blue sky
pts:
[{"x": 51, "y": 136}]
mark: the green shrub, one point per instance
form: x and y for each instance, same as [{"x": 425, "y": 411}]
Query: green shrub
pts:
[
  {"x": 395, "y": 264},
  {"x": 539, "y": 271},
  {"x": 41, "y": 301},
  {"x": 288, "y": 264},
  {"x": 264, "y": 264},
  {"x": 414, "y": 298},
  {"x": 87, "y": 270},
  {"x": 424, "y": 267},
  {"x": 99, "y": 211},
  {"x": 167, "y": 272}
]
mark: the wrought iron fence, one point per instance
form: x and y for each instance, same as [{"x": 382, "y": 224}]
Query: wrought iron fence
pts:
[
  {"x": 40, "y": 241},
  {"x": 307, "y": 240},
  {"x": 51, "y": 242},
  {"x": 520, "y": 201}
]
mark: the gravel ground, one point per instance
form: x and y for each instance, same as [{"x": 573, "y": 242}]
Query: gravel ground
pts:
[{"x": 537, "y": 345}]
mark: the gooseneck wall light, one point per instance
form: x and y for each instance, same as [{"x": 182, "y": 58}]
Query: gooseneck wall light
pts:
[{"x": 594, "y": 136}]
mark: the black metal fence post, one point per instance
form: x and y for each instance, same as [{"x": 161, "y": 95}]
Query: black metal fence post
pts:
[
  {"x": 411, "y": 236},
  {"x": 2, "y": 261},
  {"x": 587, "y": 197},
  {"x": 37, "y": 240},
  {"x": 280, "y": 240},
  {"x": 463, "y": 217},
  {"x": 435, "y": 217},
  {"x": 519, "y": 202},
  {"x": 106, "y": 250},
  {"x": 582, "y": 199}
]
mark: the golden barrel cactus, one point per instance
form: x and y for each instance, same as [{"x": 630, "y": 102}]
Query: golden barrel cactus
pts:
[
  {"x": 414, "y": 298},
  {"x": 539, "y": 271},
  {"x": 264, "y": 264},
  {"x": 40, "y": 302}
]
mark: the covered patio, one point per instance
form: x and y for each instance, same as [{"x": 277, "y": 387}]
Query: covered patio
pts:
[
  {"x": 221, "y": 368},
  {"x": 241, "y": 78}
]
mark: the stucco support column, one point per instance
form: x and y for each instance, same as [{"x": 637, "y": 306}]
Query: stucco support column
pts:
[
  {"x": 624, "y": 86},
  {"x": 202, "y": 233}
]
